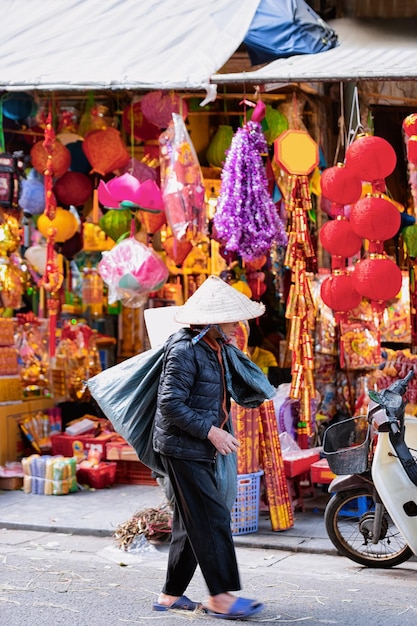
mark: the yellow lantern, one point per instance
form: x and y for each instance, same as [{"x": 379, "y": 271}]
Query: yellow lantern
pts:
[{"x": 64, "y": 222}]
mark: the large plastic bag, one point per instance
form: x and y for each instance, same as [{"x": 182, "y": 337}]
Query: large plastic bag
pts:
[
  {"x": 127, "y": 394},
  {"x": 246, "y": 382},
  {"x": 132, "y": 270},
  {"x": 182, "y": 183}
]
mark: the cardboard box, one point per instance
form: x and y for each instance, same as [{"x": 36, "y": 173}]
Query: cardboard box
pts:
[
  {"x": 116, "y": 451},
  {"x": 11, "y": 483}
]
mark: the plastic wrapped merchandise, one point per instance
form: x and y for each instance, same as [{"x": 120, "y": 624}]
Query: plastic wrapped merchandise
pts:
[{"x": 132, "y": 270}]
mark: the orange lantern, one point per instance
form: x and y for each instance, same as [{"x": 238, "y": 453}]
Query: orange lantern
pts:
[
  {"x": 296, "y": 152},
  {"x": 177, "y": 250},
  {"x": 64, "y": 223},
  {"x": 152, "y": 221},
  {"x": 105, "y": 150},
  {"x": 55, "y": 163}
]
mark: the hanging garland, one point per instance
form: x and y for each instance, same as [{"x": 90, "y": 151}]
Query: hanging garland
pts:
[{"x": 246, "y": 219}]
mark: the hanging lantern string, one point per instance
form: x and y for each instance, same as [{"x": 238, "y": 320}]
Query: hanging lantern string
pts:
[
  {"x": 353, "y": 132},
  {"x": 341, "y": 137}
]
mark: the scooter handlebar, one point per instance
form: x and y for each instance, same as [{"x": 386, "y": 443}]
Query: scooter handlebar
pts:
[{"x": 400, "y": 386}]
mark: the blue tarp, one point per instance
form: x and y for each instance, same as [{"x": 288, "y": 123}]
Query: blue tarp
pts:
[{"x": 283, "y": 28}]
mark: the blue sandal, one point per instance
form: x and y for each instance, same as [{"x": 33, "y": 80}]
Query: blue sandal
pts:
[
  {"x": 241, "y": 609},
  {"x": 182, "y": 604}
]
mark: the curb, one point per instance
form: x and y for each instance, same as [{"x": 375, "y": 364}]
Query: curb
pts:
[{"x": 258, "y": 541}]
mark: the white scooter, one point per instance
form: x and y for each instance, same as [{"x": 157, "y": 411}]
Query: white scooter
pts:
[{"x": 372, "y": 516}]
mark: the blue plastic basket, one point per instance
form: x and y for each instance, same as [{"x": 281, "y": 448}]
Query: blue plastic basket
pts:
[{"x": 245, "y": 512}]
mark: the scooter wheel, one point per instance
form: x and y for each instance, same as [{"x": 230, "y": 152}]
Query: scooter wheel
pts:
[{"x": 349, "y": 520}]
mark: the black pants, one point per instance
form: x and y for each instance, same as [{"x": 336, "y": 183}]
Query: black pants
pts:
[{"x": 201, "y": 533}]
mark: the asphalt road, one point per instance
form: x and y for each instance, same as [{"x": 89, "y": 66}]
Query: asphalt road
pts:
[{"x": 64, "y": 580}]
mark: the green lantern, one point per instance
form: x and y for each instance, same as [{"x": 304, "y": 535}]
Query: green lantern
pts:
[
  {"x": 273, "y": 124},
  {"x": 116, "y": 222},
  {"x": 216, "y": 152}
]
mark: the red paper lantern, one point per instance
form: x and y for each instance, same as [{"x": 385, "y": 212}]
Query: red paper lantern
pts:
[
  {"x": 105, "y": 150},
  {"x": 412, "y": 149},
  {"x": 410, "y": 125},
  {"x": 340, "y": 185},
  {"x": 73, "y": 188},
  {"x": 57, "y": 165},
  {"x": 256, "y": 264},
  {"x": 158, "y": 107},
  {"x": 338, "y": 292},
  {"x": 377, "y": 278},
  {"x": 338, "y": 238},
  {"x": 375, "y": 218},
  {"x": 134, "y": 121},
  {"x": 371, "y": 158}
]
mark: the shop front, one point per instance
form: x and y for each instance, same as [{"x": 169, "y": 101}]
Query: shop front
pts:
[{"x": 120, "y": 197}]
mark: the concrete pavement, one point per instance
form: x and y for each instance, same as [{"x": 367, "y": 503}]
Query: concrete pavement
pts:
[{"x": 98, "y": 513}]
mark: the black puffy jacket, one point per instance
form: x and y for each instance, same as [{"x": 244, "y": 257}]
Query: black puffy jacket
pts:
[{"x": 190, "y": 398}]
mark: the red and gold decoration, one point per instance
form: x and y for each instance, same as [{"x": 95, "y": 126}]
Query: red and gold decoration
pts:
[
  {"x": 279, "y": 501},
  {"x": 410, "y": 232},
  {"x": 297, "y": 153}
]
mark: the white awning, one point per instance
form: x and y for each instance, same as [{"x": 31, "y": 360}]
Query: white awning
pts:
[
  {"x": 118, "y": 44},
  {"x": 384, "y": 49}
]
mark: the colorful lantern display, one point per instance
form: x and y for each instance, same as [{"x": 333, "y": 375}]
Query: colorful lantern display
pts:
[
  {"x": 32, "y": 194},
  {"x": 338, "y": 292},
  {"x": 221, "y": 142},
  {"x": 137, "y": 125},
  {"x": 273, "y": 124},
  {"x": 341, "y": 186},
  {"x": 177, "y": 250},
  {"x": 105, "y": 150},
  {"x": 73, "y": 188},
  {"x": 375, "y": 217},
  {"x": 377, "y": 278},
  {"x": 339, "y": 239},
  {"x": 116, "y": 222},
  {"x": 18, "y": 105},
  {"x": 55, "y": 161},
  {"x": 63, "y": 226},
  {"x": 372, "y": 159},
  {"x": 159, "y": 106}
]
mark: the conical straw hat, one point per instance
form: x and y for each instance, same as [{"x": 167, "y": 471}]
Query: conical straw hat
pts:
[{"x": 216, "y": 302}]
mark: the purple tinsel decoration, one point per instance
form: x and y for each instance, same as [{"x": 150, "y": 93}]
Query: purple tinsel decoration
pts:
[{"x": 246, "y": 219}]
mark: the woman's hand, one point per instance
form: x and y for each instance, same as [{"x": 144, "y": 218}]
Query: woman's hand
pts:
[{"x": 223, "y": 441}]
